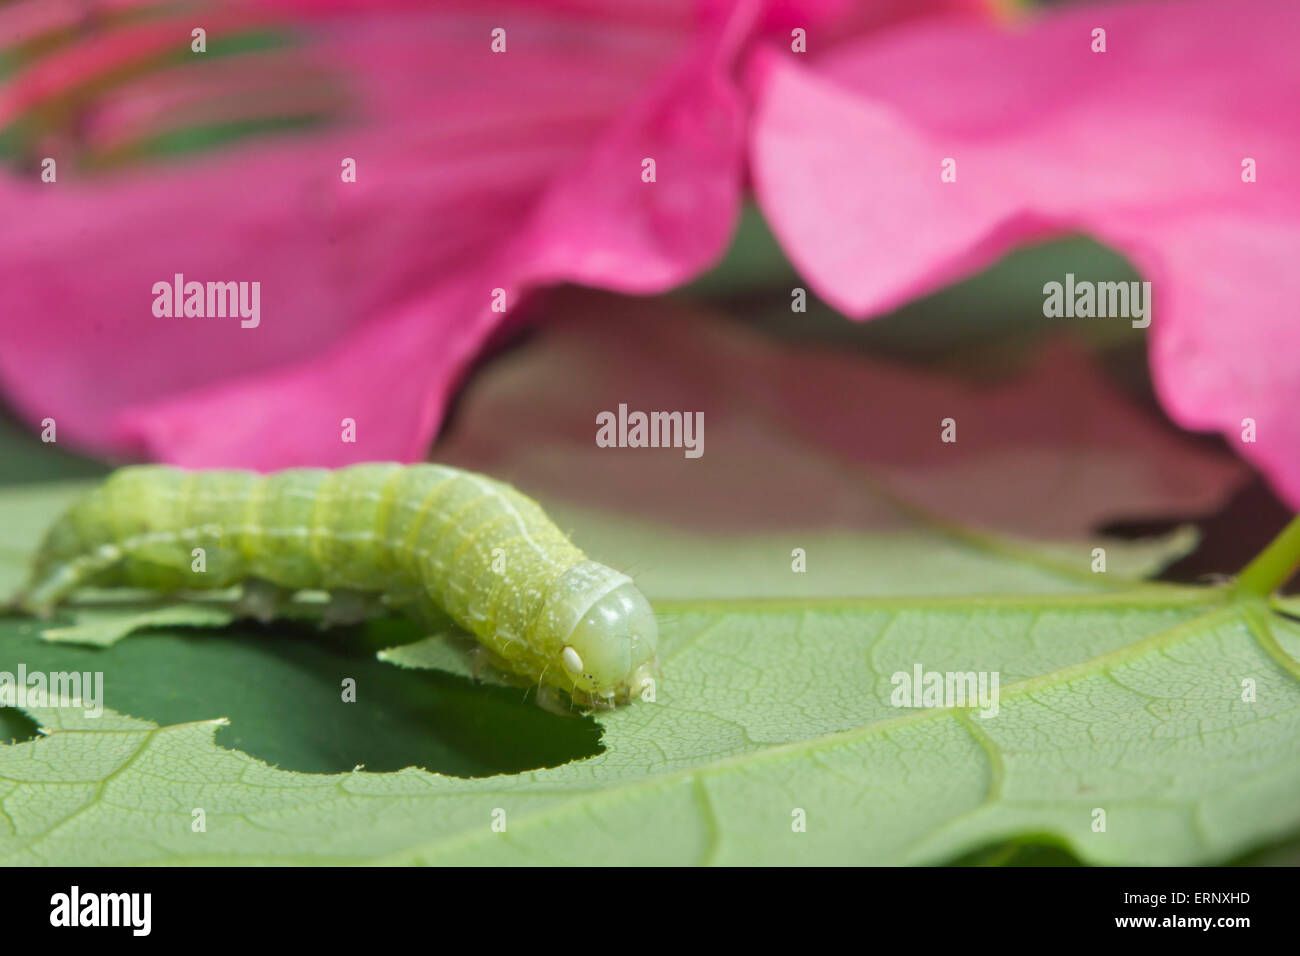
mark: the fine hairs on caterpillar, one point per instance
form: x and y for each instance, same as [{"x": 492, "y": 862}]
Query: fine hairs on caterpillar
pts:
[{"x": 415, "y": 535}]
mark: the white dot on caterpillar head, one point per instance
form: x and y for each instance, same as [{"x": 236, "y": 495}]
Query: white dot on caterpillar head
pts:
[{"x": 572, "y": 662}]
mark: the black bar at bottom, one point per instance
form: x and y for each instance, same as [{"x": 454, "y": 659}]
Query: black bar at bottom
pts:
[{"x": 630, "y": 908}]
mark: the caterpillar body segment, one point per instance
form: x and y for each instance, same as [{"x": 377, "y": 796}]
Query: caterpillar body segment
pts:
[{"x": 476, "y": 548}]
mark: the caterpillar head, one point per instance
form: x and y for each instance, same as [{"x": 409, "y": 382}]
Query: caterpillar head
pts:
[{"x": 610, "y": 654}]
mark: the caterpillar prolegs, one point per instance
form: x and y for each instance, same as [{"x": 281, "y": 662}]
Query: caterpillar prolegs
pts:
[{"x": 483, "y": 553}]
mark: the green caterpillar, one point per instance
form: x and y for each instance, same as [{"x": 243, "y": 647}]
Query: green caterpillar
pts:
[{"x": 483, "y": 553}]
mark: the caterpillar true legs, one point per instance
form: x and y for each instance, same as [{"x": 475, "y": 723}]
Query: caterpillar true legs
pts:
[{"x": 476, "y": 548}]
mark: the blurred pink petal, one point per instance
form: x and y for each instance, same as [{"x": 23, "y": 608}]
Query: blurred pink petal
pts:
[
  {"x": 1049, "y": 448},
  {"x": 374, "y": 294},
  {"x": 1141, "y": 147},
  {"x": 476, "y": 171}
]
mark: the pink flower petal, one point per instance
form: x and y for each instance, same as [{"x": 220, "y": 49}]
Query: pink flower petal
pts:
[
  {"x": 529, "y": 174},
  {"x": 476, "y": 171},
  {"x": 1140, "y": 146}
]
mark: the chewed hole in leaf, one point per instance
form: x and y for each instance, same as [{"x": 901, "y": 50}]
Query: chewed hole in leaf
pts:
[
  {"x": 1031, "y": 850},
  {"x": 16, "y": 727},
  {"x": 282, "y": 688}
]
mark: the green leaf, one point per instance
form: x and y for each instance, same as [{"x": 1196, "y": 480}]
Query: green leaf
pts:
[
  {"x": 451, "y": 652},
  {"x": 1129, "y": 703},
  {"x": 103, "y": 627}
]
